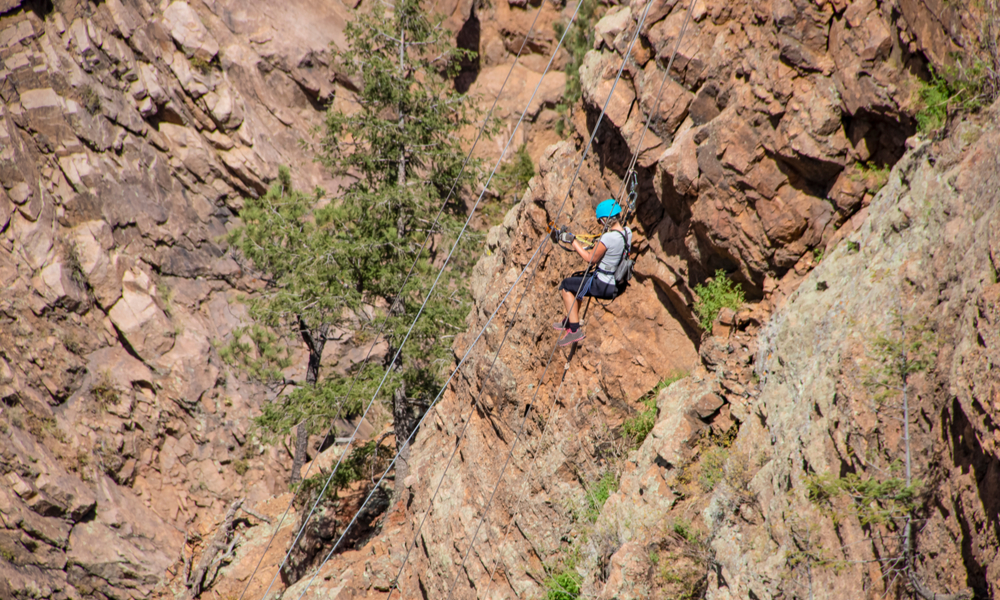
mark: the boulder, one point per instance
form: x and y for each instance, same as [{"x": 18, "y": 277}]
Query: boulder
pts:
[
  {"x": 139, "y": 319},
  {"x": 67, "y": 494},
  {"x": 194, "y": 82},
  {"x": 612, "y": 23},
  {"x": 671, "y": 108},
  {"x": 35, "y": 239},
  {"x": 781, "y": 222},
  {"x": 92, "y": 240},
  {"x": 131, "y": 563},
  {"x": 597, "y": 77},
  {"x": 680, "y": 163},
  {"x": 124, "y": 370},
  {"x": 60, "y": 284},
  {"x": 189, "y": 32},
  {"x": 627, "y": 570}
]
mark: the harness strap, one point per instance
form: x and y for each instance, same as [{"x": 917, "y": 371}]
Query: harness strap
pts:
[{"x": 625, "y": 252}]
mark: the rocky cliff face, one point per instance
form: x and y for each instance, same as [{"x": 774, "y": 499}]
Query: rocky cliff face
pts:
[
  {"x": 755, "y": 166},
  {"x": 129, "y": 132},
  {"x": 928, "y": 252}
]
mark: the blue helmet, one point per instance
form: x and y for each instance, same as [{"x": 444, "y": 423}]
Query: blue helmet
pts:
[{"x": 608, "y": 208}]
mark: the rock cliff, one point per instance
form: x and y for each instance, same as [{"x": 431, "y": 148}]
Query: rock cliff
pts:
[
  {"x": 128, "y": 135},
  {"x": 760, "y": 163},
  {"x": 130, "y": 131}
]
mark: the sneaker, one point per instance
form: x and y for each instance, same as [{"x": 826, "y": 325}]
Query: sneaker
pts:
[
  {"x": 559, "y": 325},
  {"x": 571, "y": 337}
]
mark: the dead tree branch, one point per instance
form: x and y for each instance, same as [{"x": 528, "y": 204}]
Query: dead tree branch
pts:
[
  {"x": 218, "y": 544},
  {"x": 256, "y": 515}
]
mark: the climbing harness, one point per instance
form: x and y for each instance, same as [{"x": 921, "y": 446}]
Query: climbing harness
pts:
[{"x": 623, "y": 270}]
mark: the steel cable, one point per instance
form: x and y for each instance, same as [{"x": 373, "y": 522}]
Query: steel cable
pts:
[
  {"x": 569, "y": 190},
  {"x": 447, "y": 260},
  {"x": 381, "y": 330},
  {"x": 590, "y": 142},
  {"x": 635, "y": 156}
]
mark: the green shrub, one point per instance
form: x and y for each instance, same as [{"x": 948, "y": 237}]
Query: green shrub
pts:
[
  {"x": 90, "y": 99},
  {"x": 564, "y": 585},
  {"x": 201, "y": 65},
  {"x": 871, "y": 174},
  {"x": 637, "y": 427},
  {"x": 104, "y": 390},
  {"x": 875, "y": 501},
  {"x": 717, "y": 294},
  {"x": 713, "y": 468},
  {"x": 598, "y": 494},
  {"x": 960, "y": 87},
  {"x": 514, "y": 175},
  {"x": 579, "y": 41},
  {"x": 353, "y": 468}
]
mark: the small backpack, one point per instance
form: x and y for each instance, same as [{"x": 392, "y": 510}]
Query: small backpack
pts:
[{"x": 623, "y": 272}]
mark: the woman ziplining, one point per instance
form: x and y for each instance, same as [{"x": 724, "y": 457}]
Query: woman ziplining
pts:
[{"x": 610, "y": 254}]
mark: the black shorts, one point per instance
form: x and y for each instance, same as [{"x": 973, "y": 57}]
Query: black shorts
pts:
[{"x": 597, "y": 288}]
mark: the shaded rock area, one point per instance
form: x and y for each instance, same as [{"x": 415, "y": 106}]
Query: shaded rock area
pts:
[
  {"x": 928, "y": 252},
  {"x": 758, "y": 144}
]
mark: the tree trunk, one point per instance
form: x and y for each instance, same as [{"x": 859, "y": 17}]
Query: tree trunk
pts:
[
  {"x": 401, "y": 174},
  {"x": 315, "y": 344},
  {"x": 402, "y": 425},
  {"x": 299, "y": 458}
]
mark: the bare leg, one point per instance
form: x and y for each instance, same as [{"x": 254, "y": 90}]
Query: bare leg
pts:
[
  {"x": 569, "y": 300},
  {"x": 574, "y": 312}
]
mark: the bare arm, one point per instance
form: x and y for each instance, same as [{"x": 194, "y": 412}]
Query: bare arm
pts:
[{"x": 592, "y": 257}]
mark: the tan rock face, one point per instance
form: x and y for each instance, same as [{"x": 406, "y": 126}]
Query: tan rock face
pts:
[
  {"x": 128, "y": 135},
  {"x": 772, "y": 116},
  {"x": 130, "y": 131},
  {"x": 816, "y": 352},
  {"x": 139, "y": 319},
  {"x": 189, "y": 32},
  {"x": 779, "y": 101}
]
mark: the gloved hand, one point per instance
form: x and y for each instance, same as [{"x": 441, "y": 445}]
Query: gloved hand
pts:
[{"x": 566, "y": 237}]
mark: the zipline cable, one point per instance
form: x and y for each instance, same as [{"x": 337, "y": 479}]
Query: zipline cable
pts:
[
  {"x": 374, "y": 343},
  {"x": 410, "y": 545},
  {"x": 430, "y": 292},
  {"x": 423, "y": 418},
  {"x": 575, "y": 176},
  {"x": 458, "y": 443},
  {"x": 635, "y": 156},
  {"x": 569, "y": 191}
]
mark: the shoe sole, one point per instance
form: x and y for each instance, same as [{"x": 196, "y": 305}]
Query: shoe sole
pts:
[{"x": 580, "y": 339}]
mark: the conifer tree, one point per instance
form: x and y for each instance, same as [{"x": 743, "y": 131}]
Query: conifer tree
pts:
[{"x": 325, "y": 269}]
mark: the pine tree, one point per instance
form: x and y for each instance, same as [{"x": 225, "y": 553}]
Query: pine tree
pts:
[{"x": 324, "y": 269}]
